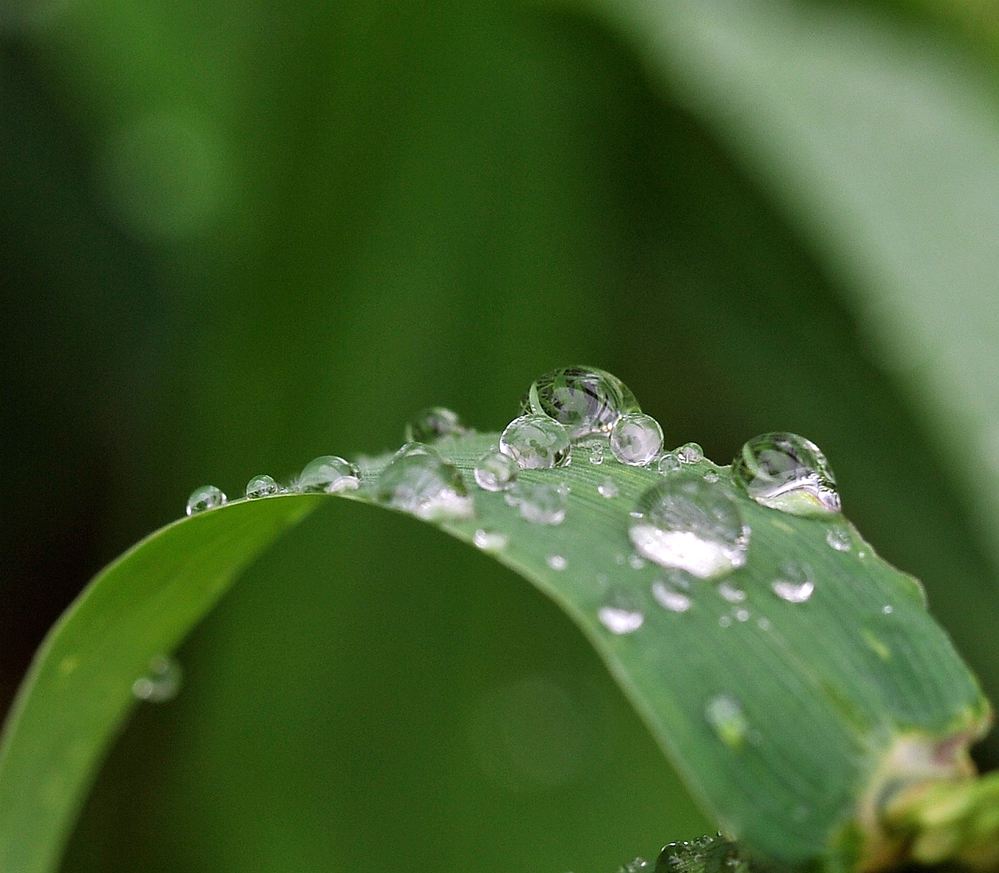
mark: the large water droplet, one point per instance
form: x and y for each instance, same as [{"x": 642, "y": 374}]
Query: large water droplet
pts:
[
  {"x": 539, "y": 502},
  {"x": 160, "y": 682},
  {"x": 426, "y": 486},
  {"x": 328, "y": 474},
  {"x": 586, "y": 400},
  {"x": 262, "y": 486},
  {"x": 787, "y": 472},
  {"x": 621, "y": 615},
  {"x": 204, "y": 498},
  {"x": 794, "y": 582},
  {"x": 725, "y": 715},
  {"x": 432, "y": 424},
  {"x": 535, "y": 442},
  {"x": 688, "y": 524},
  {"x": 495, "y": 471},
  {"x": 636, "y": 439}
]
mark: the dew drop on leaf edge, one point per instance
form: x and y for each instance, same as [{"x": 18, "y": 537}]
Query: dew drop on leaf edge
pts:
[
  {"x": 262, "y": 486},
  {"x": 787, "y": 472},
  {"x": 426, "y": 486},
  {"x": 328, "y": 474},
  {"x": 204, "y": 498}
]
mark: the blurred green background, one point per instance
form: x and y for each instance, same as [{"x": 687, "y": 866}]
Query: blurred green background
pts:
[{"x": 235, "y": 235}]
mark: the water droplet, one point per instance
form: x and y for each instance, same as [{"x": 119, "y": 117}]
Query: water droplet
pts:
[
  {"x": 741, "y": 614},
  {"x": 160, "y": 682},
  {"x": 690, "y": 453},
  {"x": 636, "y": 562},
  {"x": 432, "y": 424},
  {"x": 636, "y": 439},
  {"x": 262, "y": 486},
  {"x": 839, "y": 538},
  {"x": 731, "y": 593},
  {"x": 595, "y": 448},
  {"x": 711, "y": 476},
  {"x": 495, "y": 471},
  {"x": 763, "y": 623},
  {"x": 887, "y": 609},
  {"x": 725, "y": 715},
  {"x": 411, "y": 448},
  {"x": 328, "y": 474},
  {"x": 794, "y": 582},
  {"x": 586, "y": 400},
  {"x": 668, "y": 463},
  {"x": 667, "y": 595},
  {"x": 621, "y": 615},
  {"x": 687, "y": 524},
  {"x": 608, "y": 488},
  {"x": 536, "y": 442},
  {"x": 787, "y": 472},
  {"x": 489, "y": 541},
  {"x": 426, "y": 486},
  {"x": 539, "y": 502},
  {"x": 204, "y": 498},
  {"x": 557, "y": 562},
  {"x": 725, "y": 621},
  {"x": 637, "y": 865}
]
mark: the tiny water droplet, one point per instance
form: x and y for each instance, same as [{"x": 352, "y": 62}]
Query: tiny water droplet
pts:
[
  {"x": 637, "y": 865},
  {"x": 839, "y": 538},
  {"x": 725, "y": 621},
  {"x": 763, "y": 623},
  {"x": 621, "y": 615},
  {"x": 787, "y": 472},
  {"x": 586, "y": 400},
  {"x": 426, "y": 486},
  {"x": 636, "y": 439},
  {"x": 711, "y": 476},
  {"x": 539, "y": 502},
  {"x": 794, "y": 582},
  {"x": 262, "y": 486},
  {"x": 160, "y": 682},
  {"x": 687, "y": 524},
  {"x": 608, "y": 488},
  {"x": 668, "y": 463},
  {"x": 690, "y": 453},
  {"x": 741, "y": 614},
  {"x": 595, "y": 448},
  {"x": 432, "y": 424},
  {"x": 329, "y": 474},
  {"x": 204, "y": 498},
  {"x": 731, "y": 593},
  {"x": 536, "y": 442},
  {"x": 667, "y": 595},
  {"x": 495, "y": 471},
  {"x": 489, "y": 541},
  {"x": 557, "y": 562},
  {"x": 724, "y": 714},
  {"x": 887, "y": 609}
]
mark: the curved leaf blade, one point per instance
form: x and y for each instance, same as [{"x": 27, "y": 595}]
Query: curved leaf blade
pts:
[{"x": 827, "y": 688}]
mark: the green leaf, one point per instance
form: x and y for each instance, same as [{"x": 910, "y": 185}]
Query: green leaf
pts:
[{"x": 835, "y": 698}]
